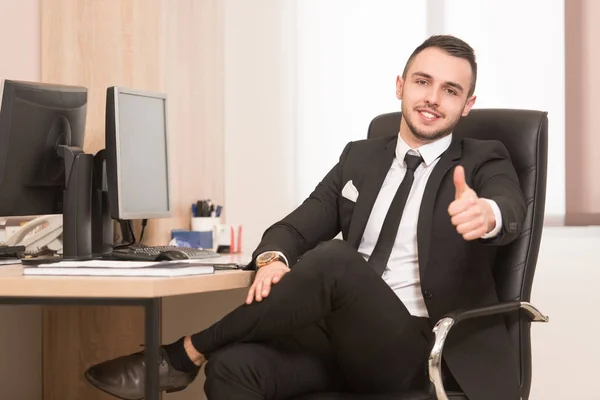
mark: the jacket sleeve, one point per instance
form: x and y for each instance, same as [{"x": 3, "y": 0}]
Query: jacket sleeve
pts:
[
  {"x": 497, "y": 180},
  {"x": 314, "y": 221}
]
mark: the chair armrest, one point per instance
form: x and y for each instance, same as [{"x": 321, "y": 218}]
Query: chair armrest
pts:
[{"x": 443, "y": 326}]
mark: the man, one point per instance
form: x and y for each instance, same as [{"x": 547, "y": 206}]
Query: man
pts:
[{"x": 422, "y": 214}]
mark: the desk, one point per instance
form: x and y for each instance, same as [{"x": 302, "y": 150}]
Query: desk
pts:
[{"x": 146, "y": 292}]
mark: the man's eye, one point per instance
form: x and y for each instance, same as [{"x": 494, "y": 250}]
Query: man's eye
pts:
[
  {"x": 452, "y": 92},
  {"x": 421, "y": 82}
]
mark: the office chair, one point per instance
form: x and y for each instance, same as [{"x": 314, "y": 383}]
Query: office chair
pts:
[{"x": 525, "y": 135}]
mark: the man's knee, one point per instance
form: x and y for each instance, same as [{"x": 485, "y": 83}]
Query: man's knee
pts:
[{"x": 229, "y": 361}]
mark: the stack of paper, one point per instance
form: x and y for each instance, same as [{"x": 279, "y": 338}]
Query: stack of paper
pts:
[
  {"x": 9, "y": 260},
  {"x": 121, "y": 268}
]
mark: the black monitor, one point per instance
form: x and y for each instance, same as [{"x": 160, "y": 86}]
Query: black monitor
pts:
[
  {"x": 43, "y": 169},
  {"x": 137, "y": 155}
]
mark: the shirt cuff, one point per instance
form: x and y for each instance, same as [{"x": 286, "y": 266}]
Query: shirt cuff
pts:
[
  {"x": 285, "y": 260},
  {"x": 498, "y": 216}
]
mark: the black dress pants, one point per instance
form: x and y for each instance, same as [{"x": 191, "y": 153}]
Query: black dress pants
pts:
[{"x": 330, "y": 324}]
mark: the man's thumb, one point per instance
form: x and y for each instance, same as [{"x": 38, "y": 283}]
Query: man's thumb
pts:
[{"x": 460, "y": 183}]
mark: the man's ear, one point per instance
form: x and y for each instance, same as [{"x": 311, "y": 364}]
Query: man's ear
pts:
[
  {"x": 399, "y": 87},
  {"x": 470, "y": 103}
]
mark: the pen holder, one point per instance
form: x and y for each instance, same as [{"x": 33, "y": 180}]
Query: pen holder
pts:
[{"x": 206, "y": 224}]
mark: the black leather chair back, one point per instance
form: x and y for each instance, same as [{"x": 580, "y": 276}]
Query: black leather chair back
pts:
[{"x": 525, "y": 135}]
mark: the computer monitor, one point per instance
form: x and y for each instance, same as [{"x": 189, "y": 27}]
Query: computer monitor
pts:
[
  {"x": 43, "y": 169},
  {"x": 137, "y": 156}
]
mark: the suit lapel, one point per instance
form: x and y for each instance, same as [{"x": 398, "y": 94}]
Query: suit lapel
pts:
[
  {"x": 368, "y": 193},
  {"x": 448, "y": 160}
]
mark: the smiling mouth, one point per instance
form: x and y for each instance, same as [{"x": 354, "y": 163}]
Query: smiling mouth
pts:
[{"x": 428, "y": 115}]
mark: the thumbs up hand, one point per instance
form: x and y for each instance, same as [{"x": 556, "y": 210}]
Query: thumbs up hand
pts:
[{"x": 473, "y": 217}]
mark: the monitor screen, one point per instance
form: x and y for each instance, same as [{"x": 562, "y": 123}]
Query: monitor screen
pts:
[{"x": 137, "y": 154}]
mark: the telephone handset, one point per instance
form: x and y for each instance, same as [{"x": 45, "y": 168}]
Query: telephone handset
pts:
[{"x": 49, "y": 235}]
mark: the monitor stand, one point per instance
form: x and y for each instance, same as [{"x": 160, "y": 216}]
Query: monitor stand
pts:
[
  {"x": 77, "y": 203},
  {"x": 102, "y": 223}
]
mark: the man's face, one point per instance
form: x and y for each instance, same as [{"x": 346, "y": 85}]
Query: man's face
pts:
[{"x": 434, "y": 96}]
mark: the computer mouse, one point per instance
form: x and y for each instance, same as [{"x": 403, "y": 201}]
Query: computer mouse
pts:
[{"x": 171, "y": 255}]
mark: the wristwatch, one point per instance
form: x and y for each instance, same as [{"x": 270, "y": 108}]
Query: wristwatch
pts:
[{"x": 267, "y": 258}]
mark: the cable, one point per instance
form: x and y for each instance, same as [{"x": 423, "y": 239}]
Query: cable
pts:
[
  {"x": 126, "y": 232},
  {"x": 131, "y": 231},
  {"x": 144, "y": 223}
]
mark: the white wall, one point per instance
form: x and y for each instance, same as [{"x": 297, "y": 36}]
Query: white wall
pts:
[
  {"x": 303, "y": 78},
  {"x": 349, "y": 55},
  {"x": 259, "y": 114},
  {"x": 521, "y": 61}
]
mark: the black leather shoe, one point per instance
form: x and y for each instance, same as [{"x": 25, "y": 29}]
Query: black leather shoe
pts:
[{"x": 124, "y": 376}]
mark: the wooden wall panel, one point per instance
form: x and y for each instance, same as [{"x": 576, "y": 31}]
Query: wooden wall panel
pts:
[
  {"x": 76, "y": 337},
  {"x": 157, "y": 45},
  {"x": 194, "y": 80},
  {"x": 96, "y": 44},
  {"x": 101, "y": 43},
  {"x": 194, "y": 66}
]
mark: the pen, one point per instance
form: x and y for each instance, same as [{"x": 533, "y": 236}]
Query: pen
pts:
[{"x": 200, "y": 208}]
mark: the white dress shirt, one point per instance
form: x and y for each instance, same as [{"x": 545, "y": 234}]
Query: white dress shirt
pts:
[{"x": 402, "y": 270}]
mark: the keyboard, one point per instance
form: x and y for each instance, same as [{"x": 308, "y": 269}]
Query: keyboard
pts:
[
  {"x": 11, "y": 251},
  {"x": 149, "y": 253}
]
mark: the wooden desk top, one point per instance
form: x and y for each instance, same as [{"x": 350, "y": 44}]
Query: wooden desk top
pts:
[{"x": 13, "y": 283}]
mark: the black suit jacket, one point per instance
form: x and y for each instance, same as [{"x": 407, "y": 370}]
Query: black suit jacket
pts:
[{"x": 455, "y": 274}]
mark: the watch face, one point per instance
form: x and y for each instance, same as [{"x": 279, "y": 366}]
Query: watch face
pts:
[
  {"x": 267, "y": 258},
  {"x": 264, "y": 257}
]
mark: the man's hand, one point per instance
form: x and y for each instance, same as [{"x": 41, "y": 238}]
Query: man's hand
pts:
[
  {"x": 473, "y": 217},
  {"x": 265, "y": 277}
]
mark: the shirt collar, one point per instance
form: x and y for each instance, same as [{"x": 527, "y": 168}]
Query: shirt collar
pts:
[{"x": 430, "y": 151}]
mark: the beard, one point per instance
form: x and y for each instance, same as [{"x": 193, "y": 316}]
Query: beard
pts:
[{"x": 428, "y": 136}]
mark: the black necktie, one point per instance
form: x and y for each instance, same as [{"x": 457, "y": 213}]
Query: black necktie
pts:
[{"x": 389, "y": 230}]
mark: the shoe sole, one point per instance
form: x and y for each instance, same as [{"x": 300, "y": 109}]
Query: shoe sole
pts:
[{"x": 98, "y": 385}]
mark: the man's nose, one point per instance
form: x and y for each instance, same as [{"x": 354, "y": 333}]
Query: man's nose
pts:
[{"x": 432, "y": 97}]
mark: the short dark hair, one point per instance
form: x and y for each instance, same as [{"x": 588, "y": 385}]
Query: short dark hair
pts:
[{"x": 452, "y": 46}]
